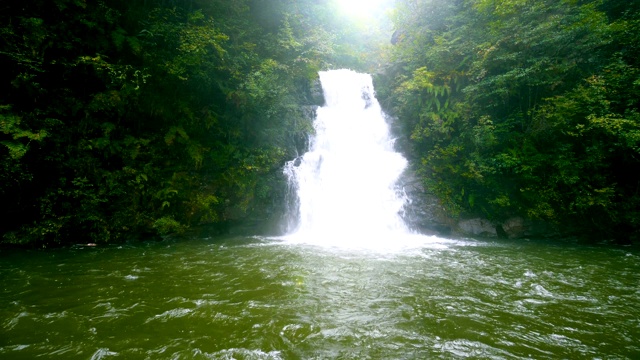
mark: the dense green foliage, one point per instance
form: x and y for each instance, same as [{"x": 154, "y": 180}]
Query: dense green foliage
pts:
[
  {"x": 121, "y": 117},
  {"x": 523, "y": 107},
  {"x": 128, "y": 117}
]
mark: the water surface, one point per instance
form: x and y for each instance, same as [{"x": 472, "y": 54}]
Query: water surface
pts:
[{"x": 251, "y": 298}]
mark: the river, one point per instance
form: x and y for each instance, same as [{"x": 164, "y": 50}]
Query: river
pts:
[{"x": 260, "y": 298}]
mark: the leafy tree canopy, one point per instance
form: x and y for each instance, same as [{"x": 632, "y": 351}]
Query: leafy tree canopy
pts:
[{"x": 522, "y": 107}]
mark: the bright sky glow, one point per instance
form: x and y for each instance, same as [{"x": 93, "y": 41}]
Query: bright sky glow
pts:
[{"x": 361, "y": 8}]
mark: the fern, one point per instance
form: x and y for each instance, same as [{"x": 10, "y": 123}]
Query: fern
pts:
[{"x": 16, "y": 149}]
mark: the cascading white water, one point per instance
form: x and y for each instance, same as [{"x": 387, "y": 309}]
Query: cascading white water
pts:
[{"x": 345, "y": 183}]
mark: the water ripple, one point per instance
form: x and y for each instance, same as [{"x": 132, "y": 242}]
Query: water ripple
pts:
[{"x": 263, "y": 299}]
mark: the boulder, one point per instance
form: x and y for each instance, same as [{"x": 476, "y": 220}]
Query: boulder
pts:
[
  {"x": 515, "y": 227},
  {"x": 477, "y": 227},
  {"x": 422, "y": 212}
]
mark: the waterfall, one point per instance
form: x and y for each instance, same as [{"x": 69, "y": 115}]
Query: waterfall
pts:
[{"x": 344, "y": 187}]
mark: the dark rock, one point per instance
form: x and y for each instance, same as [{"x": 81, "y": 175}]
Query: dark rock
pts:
[
  {"x": 477, "y": 227},
  {"x": 514, "y": 227},
  {"x": 316, "y": 94},
  {"x": 422, "y": 212},
  {"x": 397, "y": 36},
  {"x": 500, "y": 231},
  {"x": 367, "y": 98}
]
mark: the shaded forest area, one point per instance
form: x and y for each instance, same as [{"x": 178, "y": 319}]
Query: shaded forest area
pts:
[
  {"x": 122, "y": 118},
  {"x": 524, "y": 108},
  {"x": 147, "y": 117}
]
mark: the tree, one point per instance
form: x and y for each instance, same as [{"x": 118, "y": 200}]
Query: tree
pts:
[
  {"x": 521, "y": 107},
  {"x": 130, "y": 117}
]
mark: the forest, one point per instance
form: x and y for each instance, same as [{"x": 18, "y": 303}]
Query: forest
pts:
[{"x": 123, "y": 119}]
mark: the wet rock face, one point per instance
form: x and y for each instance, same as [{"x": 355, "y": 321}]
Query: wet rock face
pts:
[
  {"x": 367, "y": 99},
  {"x": 397, "y": 36},
  {"x": 316, "y": 95},
  {"x": 422, "y": 212},
  {"x": 478, "y": 227},
  {"x": 513, "y": 228}
]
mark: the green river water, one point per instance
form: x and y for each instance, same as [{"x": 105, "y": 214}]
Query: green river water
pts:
[{"x": 255, "y": 298}]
